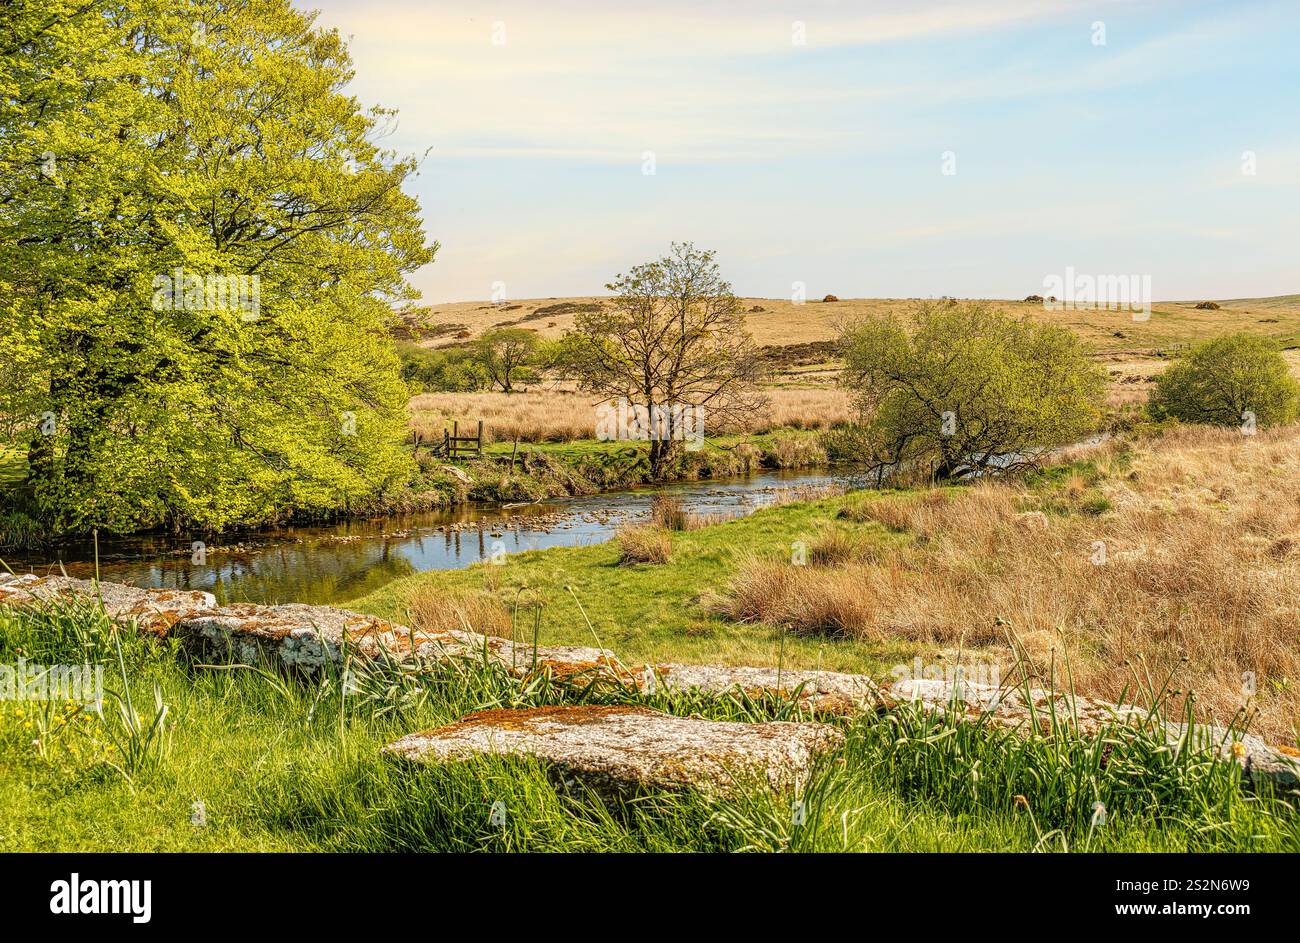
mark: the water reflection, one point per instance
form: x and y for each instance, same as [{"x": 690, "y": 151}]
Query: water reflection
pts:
[{"x": 341, "y": 562}]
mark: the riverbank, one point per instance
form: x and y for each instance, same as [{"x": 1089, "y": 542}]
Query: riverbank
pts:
[
  {"x": 504, "y": 474},
  {"x": 290, "y": 747},
  {"x": 1170, "y": 560},
  {"x": 334, "y": 564}
]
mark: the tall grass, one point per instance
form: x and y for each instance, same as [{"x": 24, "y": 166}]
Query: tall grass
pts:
[
  {"x": 640, "y": 543},
  {"x": 1179, "y": 555},
  {"x": 561, "y": 415},
  {"x": 284, "y": 762}
]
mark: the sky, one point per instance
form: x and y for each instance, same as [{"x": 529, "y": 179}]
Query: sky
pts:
[{"x": 864, "y": 149}]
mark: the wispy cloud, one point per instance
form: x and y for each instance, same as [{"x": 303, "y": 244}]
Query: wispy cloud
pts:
[{"x": 804, "y": 140}]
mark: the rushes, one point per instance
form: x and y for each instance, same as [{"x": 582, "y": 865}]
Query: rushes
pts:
[
  {"x": 644, "y": 543},
  {"x": 139, "y": 740},
  {"x": 1177, "y": 556},
  {"x": 479, "y": 612}
]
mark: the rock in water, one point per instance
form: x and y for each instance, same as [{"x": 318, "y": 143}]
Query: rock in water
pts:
[{"x": 618, "y": 749}]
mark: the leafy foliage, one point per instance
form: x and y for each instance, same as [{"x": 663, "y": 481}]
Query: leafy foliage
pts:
[
  {"x": 673, "y": 337},
  {"x": 507, "y": 355},
  {"x": 1222, "y": 380},
  {"x": 448, "y": 370},
  {"x": 149, "y": 151},
  {"x": 967, "y": 388}
]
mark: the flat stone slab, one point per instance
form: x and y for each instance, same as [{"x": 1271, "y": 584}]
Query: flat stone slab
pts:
[
  {"x": 619, "y": 748},
  {"x": 306, "y": 638},
  {"x": 299, "y": 636},
  {"x": 1041, "y": 711},
  {"x": 830, "y": 692},
  {"x": 155, "y": 610}
]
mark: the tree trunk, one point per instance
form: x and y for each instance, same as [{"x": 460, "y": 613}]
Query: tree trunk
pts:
[{"x": 663, "y": 453}]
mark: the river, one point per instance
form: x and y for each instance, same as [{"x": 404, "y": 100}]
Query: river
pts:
[{"x": 337, "y": 563}]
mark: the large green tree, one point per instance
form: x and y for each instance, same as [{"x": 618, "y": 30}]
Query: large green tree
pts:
[{"x": 142, "y": 140}]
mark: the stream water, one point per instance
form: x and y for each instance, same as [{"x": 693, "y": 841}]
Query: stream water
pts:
[{"x": 337, "y": 563}]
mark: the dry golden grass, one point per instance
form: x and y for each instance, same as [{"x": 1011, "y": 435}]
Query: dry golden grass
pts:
[
  {"x": 644, "y": 543},
  {"x": 1129, "y": 349},
  {"x": 1200, "y": 576},
  {"x": 479, "y": 612},
  {"x": 667, "y": 512},
  {"x": 781, "y": 321},
  {"x": 535, "y": 416},
  {"x": 838, "y": 546},
  {"x": 559, "y": 415}
]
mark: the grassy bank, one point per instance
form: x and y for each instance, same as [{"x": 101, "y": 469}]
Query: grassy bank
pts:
[
  {"x": 1175, "y": 558},
  {"x": 288, "y": 764},
  {"x": 533, "y": 471}
]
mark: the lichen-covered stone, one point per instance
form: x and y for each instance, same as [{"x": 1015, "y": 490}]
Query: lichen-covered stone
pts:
[
  {"x": 829, "y": 692},
  {"x": 1044, "y": 711},
  {"x": 155, "y": 610},
  {"x": 621, "y": 748},
  {"x": 306, "y": 638}
]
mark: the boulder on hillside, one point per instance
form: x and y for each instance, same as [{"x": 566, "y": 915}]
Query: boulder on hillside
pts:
[{"x": 1208, "y": 306}]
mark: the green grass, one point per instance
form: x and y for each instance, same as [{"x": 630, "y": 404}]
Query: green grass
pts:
[
  {"x": 289, "y": 764},
  {"x": 655, "y": 612}
]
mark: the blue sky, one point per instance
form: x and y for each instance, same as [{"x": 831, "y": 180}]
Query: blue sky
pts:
[{"x": 822, "y": 162}]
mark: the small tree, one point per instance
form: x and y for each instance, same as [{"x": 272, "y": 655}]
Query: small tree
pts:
[
  {"x": 674, "y": 347},
  {"x": 1229, "y": 381},
  {"x": 505, "y": 354},
  {"x": 967, "y": 388}
]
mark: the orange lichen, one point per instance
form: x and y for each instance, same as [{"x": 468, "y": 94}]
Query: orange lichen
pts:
[{"x": 525, "y": 718}]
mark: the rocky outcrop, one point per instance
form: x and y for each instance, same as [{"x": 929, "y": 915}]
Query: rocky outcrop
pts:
[
  {"x": 308, "y": 638},
  {"x": 154, "y": 610},
  {"x": 621, "y": 749}
]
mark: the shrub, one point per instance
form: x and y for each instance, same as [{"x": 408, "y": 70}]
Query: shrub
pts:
[
  {"x": 1222, "y": 381},
  {"x": 451, "y": 369},
  {"x": 968, "y": 389},
  {"x": 461, "y": 611}
]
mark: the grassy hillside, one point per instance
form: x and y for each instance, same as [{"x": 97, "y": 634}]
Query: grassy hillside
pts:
[{"x": 780, "y": 322}]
